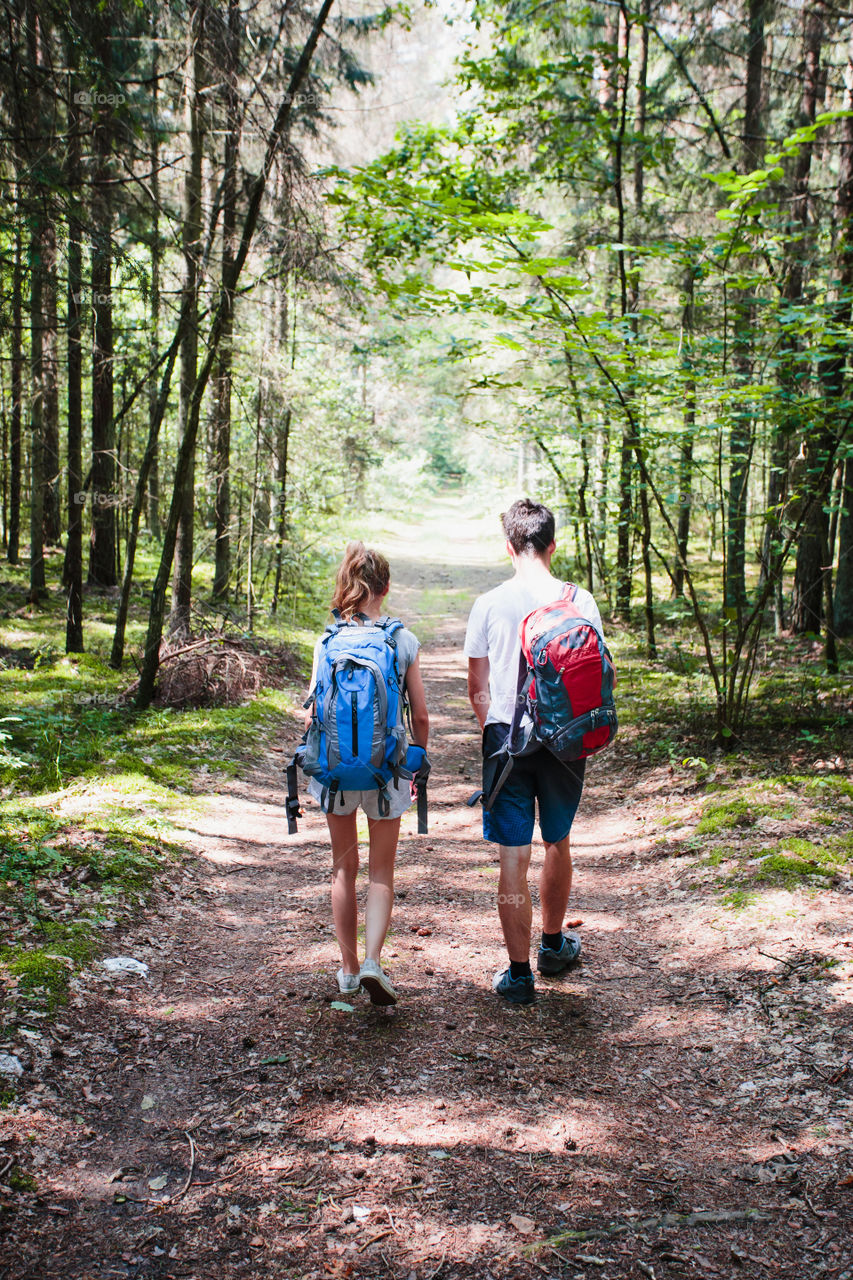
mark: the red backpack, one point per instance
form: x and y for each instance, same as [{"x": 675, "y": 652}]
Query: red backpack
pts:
[{"x": 564, "y": 696}]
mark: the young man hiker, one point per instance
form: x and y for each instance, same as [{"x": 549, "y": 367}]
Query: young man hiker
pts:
[{"x": 492, "y": 647}]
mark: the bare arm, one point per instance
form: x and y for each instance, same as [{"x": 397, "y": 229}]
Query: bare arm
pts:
[
  {"x": 478, "y": 688},
  {"x": 417, "y": 702}
]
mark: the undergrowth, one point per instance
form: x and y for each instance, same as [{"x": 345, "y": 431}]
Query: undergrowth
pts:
[{"x": 91, "y": 789}]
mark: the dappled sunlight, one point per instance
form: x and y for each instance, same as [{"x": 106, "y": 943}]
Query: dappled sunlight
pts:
[{"x": 233, "y": 1114}]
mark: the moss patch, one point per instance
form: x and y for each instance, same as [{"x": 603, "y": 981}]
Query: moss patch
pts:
[
  {"x": 725, "y": 815},
  {"x": 738, "y": 899},
  {"x": 20, "y": 1181},
  {"x": 42, "y": 976},
  {"x": 788, "y": 872}
]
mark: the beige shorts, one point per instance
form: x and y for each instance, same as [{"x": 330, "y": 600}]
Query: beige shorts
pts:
[{"x": 399, "y": 795}]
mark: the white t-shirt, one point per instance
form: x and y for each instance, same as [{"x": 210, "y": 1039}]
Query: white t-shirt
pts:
[{"x": 493, "y": 633}]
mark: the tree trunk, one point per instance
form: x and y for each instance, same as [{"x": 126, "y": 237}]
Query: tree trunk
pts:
[
  {"x": 153, "y": 506},
  {"x": 685, "y": 461},
  {"x": 634, "y": 307},
  {"x": 810, "y": 592},
  {"x": 102, "y": 546},
  {"x": 37, "y": 253},
  {"x": 626, "y": 497},
  {"x": 250, "y": 562},
  {"x": 51, "y": 516},
  {"x": 154, "y": 424},
  {"x": 844, "y": 574},
  {"x": 795, "y": 364},
  {"x": 606, "y": 73},
  {"x": 287, "y": 343},
  {"x": 222, "y": 418},
  {"x": 73, "y": 570},
  {"x": 282, "y": 447},
  {"x": 179, "y": 619},
  {"x": 13, "y": 550},
  {"x": 743, "y": 426},
  {"x": 37, "y": 579}
]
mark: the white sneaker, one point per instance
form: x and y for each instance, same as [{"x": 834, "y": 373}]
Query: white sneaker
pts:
[
  {"x": 376, "y": 984},
  {"x": 348, "y": 983}
]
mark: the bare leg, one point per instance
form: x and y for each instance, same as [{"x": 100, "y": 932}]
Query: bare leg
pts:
[
  {"x": 555, "y": 884},
  {"x": 514, "y": 905},
  {"x": 384, "y": 834},
  {"x": 343, "y": 830}
]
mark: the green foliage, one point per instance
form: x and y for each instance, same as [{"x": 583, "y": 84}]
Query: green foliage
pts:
[{"x": 513, "y": 219}]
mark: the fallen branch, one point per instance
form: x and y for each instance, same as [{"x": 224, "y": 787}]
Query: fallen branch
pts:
[
  {"x": 169, "y": 657},
  {"x": 701, "y": 1219},
  {"x": 380, "y": 1235},
  {"x": 185, "y": 1188},
  {"x": 434, "y": 1273},
  {"x": 278, "y": 1061}
]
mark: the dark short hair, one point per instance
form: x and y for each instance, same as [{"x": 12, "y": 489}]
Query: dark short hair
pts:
[{"x": 529, "y": 526}]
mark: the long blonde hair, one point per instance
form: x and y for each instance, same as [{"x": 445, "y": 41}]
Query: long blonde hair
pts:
[{"x": 362, "y": 573}]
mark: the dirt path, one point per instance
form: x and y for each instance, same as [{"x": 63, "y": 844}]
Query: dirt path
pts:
[{"x": 222, "y": 1119}]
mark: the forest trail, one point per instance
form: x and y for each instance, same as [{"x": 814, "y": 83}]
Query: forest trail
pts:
[{"x": 223, "y": 1119}]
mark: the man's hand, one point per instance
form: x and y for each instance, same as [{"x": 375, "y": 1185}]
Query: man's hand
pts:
[{"x": 478, "y": 688}]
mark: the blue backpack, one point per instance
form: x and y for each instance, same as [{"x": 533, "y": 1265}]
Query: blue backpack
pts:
[{"x": 356, "y": 740}]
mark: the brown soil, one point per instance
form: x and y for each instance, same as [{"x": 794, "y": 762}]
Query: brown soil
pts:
[{"x": 684, "y": 1097}]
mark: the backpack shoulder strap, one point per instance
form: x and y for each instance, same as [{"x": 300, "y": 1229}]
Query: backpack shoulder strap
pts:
[
  {"x": 520, "y": 702},
  {"x": 569, "y": 591}
]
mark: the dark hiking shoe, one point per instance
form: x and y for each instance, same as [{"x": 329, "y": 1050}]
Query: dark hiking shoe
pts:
[
  {"x": 516, "y": 990},
  {"x": 550, "y": 961}
]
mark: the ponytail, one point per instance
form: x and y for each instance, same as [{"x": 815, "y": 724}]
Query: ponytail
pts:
[{"x": 362, "y": 573}]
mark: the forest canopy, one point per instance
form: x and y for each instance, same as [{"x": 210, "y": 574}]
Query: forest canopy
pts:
[{"x": 614, "y": 243}]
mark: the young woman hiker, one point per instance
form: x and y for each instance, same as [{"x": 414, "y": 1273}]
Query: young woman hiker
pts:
[{"x": 362, "y": 584}]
